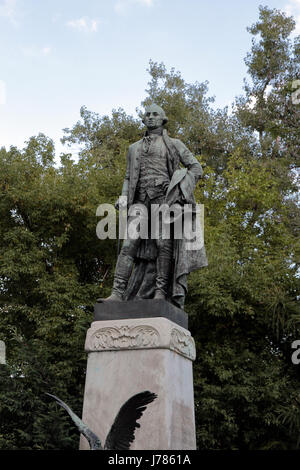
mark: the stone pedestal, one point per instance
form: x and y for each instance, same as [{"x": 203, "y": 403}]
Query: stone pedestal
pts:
[{"x": 128, "y": 356}]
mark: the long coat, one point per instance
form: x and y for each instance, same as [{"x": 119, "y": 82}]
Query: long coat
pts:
[{"x": 134, "y": 160}]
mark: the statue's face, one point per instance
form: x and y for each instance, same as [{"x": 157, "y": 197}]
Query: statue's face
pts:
[{"x": 153, "y": 117}]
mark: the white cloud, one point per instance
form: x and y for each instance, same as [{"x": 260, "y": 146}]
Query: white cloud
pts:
[
  {"x": 84, "y": 24},
  {"x": 32, "y": 51},
  {"x": 122, "y": 6},
  {"x": 8, "y": 10},
  {"x": 293, "y": 9}
]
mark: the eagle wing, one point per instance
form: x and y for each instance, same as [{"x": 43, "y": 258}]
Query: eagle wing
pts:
[{"x": 121, "y": 434}]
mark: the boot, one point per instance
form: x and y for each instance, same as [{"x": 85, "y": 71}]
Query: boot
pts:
[
  {"x": 163, "y": 267},
  {"x": 122, "y": 275}
]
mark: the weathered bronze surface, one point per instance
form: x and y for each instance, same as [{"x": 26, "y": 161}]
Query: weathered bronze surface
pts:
[{"x": 157, "y": 268}]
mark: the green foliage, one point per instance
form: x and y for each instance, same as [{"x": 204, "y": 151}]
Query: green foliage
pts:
[
  {"x": 243, "y": 308},
  {"x": 270, "y": 56},
  {"x": 268, "y": 108}
]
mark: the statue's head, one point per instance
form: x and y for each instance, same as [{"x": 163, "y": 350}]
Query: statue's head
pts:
[{"x": 154, "y": 117}]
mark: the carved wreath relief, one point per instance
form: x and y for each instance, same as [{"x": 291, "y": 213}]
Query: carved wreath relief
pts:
[
  {"x": 183, "y": 343},
  {"x": 125, "y": 337}
]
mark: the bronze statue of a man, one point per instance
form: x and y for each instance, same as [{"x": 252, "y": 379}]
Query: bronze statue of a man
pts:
[{"x": 157, "y": 268}]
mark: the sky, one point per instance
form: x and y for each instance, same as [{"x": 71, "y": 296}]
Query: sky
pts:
[{"x": 58, "y": 55}]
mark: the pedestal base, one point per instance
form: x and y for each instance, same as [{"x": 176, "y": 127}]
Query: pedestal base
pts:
[
  {"x": 147, "y": 308},
  {"x": 133, "y": 355}
]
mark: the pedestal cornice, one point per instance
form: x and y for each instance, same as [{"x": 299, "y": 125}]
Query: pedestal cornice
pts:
[{"x": 140, "y": 333}]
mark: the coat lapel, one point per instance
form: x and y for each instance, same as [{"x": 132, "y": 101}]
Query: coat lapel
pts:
[{"x": 135, "y": 168}]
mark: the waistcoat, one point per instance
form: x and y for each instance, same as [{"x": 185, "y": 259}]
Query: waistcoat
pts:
[{"x": 154, "y": 175}]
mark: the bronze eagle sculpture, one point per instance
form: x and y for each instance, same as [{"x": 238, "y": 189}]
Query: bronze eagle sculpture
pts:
[{"x": 121, "y": 434}]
